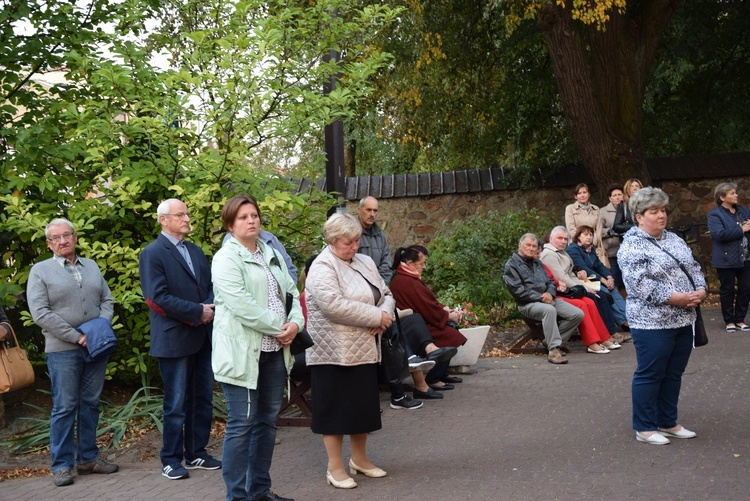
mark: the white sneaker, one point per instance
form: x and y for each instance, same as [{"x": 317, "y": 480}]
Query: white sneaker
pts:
[{"x": 420, "y": 364}]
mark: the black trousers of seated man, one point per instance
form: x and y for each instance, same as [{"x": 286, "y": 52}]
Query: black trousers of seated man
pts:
[{"x": 413, "y": 333}]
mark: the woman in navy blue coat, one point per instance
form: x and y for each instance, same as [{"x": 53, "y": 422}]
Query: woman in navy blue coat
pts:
[{"x": 729, "y": 225}]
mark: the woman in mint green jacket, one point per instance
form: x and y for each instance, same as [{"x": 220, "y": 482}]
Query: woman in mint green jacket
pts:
[{"x": 251, "y": 338}]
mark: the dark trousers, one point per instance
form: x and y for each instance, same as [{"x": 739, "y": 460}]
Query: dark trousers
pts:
[
  {"x": 734, "y": 301},
  {"x": 662, "y": 356},
  {"x": 605, "y": 310},
  {"x": 188, "y": 405}
]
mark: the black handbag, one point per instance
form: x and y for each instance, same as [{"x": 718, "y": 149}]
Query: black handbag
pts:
[
  {"x": 393, "y": 356},
  {"x": 302, "y": 340},
  {"x": 700, "y": 338},
  {"x": 573, "y": 292}
]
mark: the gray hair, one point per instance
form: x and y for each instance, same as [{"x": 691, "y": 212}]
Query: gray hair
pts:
[
  {"x": 560, "y": 229},
  {"x": 60, "y": 221},
  {"x": 341, "y": 226},
  {"x": 525, "y": 236},
  {"x": 163, "y": 208},
  {"x": 646, "y": 198},
  {"x": 363, "y": 200},
  {"x": 722, "y": 189}
]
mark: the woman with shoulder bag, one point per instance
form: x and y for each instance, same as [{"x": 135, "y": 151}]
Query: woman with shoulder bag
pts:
[
  {"x": 665, "y": 287},
  {"x": 349, "y": 307}
]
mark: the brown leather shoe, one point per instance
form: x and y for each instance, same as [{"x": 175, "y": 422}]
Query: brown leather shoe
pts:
[
  {"x": 98, "y": 465},
  {"x": 621, "y": 337},
  {"x": 555, "y": 357}
]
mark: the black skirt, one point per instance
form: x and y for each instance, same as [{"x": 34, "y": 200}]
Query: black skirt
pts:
[{"x": 345, "y": 400}]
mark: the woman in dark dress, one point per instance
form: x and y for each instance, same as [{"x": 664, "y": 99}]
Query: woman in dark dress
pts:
[{"x": 348, "y": 308}]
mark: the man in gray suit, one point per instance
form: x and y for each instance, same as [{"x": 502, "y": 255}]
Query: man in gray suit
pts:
[{"x": 64, "y": 292}]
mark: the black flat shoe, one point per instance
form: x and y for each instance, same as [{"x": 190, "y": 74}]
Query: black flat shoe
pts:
[
  {"x": 452, "y": 380},
  {"x": 442, "y": 354},
  {"x": 430, "y": 394},
  {"x": 444, "y": 387}
]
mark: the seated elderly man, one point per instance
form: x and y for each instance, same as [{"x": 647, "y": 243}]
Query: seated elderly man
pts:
[
  {"x": 561, "y": 264},
  {"x": 535, "y": 295}
]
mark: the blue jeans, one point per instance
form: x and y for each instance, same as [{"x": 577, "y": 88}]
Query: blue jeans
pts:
[
  {"x": 618, "y": 306},
  {"x": 662, "y": 356},
  {"x": 251, "y": 429},
  {"x": 76, "y": 388},
  {"x": 188, "y": 405}
]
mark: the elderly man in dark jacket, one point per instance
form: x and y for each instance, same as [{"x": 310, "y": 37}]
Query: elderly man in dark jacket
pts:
[{"x": 535, "y": 296}]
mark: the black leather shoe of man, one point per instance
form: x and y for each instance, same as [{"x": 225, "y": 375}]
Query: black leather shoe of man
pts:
[
  {"x": 271, "y": 496},
  {"x": 442, "y": 387},
  {"x": 430, "y": 394},
  {"x": 442, "y": 354},
  {"x": 452, "y": 379}
]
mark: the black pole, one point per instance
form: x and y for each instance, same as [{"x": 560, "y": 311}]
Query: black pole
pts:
[{"x": 334, "y": 139}]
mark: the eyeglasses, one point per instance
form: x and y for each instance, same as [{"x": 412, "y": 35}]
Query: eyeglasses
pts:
[
  {"x": 57, "y": 238},
  {"x": 179, "y": 215}
]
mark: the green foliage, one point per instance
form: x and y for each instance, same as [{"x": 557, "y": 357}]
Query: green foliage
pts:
[
  {"x": 467, "y": 259},
  {"x": 117, "y": 422},
  {"x": 694, "y": 100},
  {"x": 462, "y": 93},
  {"x": 123, "y": 133}
]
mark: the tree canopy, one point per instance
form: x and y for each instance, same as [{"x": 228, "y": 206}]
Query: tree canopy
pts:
[
  {"x": 181, "y": 109},
  {"x": 545, "y": 83}
]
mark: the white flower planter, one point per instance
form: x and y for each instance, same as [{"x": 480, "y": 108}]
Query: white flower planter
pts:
[{"x": 468, "y": 354}]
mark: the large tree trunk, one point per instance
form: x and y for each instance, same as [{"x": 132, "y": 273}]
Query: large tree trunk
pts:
[{"x": 601, "y": 76}]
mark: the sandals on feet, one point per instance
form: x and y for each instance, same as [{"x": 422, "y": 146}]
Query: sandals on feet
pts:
[
  {"x": 731, "y": 328},
  {"x": 743, "y": 327}
]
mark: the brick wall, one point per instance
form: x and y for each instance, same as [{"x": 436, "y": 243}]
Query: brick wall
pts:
[{"x": 409, "y": 220}]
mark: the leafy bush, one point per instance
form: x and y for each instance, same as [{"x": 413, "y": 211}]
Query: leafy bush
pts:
[
  {"x": 467, "y": 259},
  {"x": 118, "y": 423}
]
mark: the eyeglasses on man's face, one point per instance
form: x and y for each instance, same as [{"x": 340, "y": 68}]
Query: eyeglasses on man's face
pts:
[
  {"x": 65, "y": 236},
  {"x": 179, "y": 215}
]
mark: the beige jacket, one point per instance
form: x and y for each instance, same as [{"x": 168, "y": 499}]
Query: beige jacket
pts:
[
  {"x": 561, "y": 265},
  {"x": 576, "y": 215},
  {"x": 341, "y": 310}
]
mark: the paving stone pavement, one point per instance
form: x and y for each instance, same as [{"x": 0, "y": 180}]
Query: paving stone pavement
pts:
[{"x": 516, "y": 429}]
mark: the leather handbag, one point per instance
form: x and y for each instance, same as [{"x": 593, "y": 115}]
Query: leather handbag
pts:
[
  {"x": 700, "y": 338},
  {"x": 393, "y": 356},
  {"x": 574, "y": 292},
  {"x": 15, "y": 369},
  {"x": 302, "y": 340}
]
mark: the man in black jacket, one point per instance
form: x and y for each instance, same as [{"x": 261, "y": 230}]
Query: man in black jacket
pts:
[{"x": 535, "y": 295}]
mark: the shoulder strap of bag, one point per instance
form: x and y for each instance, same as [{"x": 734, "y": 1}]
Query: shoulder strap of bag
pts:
[
  {"x": 12, "y": 332},
  {"x": 679, "y": 263}
]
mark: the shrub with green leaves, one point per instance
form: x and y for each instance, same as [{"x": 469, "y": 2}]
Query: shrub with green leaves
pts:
[{"x": 467, "y": 258}]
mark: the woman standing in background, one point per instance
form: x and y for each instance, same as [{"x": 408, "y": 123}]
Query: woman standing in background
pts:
[{"x": 729, "y": 224}]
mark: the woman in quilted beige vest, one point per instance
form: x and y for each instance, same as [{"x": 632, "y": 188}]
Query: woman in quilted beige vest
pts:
[{"x": 349, "y": 306}]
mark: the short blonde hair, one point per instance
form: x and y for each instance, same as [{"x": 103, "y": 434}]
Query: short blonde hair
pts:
[{"x": 341, "y": 226}]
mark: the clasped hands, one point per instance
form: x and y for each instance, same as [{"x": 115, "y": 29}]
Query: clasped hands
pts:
[
  {"x": 386, "y": 320},
  {"x": 687, "y": 299},
  {"x": 288, "y": 332}
]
